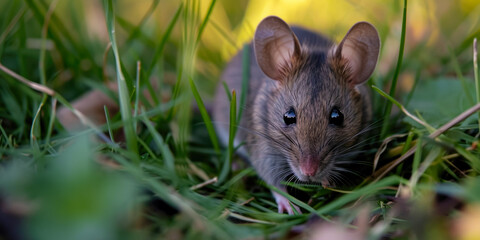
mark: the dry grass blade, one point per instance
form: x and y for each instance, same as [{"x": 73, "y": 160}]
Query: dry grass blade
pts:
[
  {"x": 200, "y": 185},
  {"x": 248, "y": 219},
  {"x": 27, "y": 82},
  {"x": 383, "y": 147},
  {"x": 41, "y": 88}
]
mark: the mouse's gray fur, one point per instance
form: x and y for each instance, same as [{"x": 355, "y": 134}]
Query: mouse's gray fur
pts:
[{"x": 317, "y": 80}]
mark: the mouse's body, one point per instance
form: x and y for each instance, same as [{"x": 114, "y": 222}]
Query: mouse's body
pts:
[{"x": 306, "y": 105}]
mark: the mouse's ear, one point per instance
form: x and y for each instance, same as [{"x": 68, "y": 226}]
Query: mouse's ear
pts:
[
  {"x": 276, "y": 47},
  {"x": 360, "y": 48}
]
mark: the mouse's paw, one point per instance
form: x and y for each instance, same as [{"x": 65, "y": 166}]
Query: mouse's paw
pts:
[{"x": 285, "y": 205}]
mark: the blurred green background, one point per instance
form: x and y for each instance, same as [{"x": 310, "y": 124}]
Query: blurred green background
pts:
[{"x": 59, "y": 184}]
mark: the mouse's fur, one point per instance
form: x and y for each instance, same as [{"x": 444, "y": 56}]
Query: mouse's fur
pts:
[{"x": 294, "y": 67}]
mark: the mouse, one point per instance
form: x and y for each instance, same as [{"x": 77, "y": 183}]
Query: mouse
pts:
[{"x": 307, "y": 104}]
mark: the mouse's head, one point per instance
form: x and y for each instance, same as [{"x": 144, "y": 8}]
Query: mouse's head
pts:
[{"x": 315, "y": 112}]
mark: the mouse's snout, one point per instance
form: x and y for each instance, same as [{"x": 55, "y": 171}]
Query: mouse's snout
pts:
[{"x": 309, "y": 165}]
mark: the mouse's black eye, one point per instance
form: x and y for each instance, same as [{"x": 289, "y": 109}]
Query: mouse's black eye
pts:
[
  {"x": 290, "y": 117},
  {"x": 336, "y": 117}
]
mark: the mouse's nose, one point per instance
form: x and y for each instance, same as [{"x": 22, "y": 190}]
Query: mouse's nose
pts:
[{"x": 309, "y": 165}]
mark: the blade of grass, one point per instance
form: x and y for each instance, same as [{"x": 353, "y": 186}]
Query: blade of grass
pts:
[
  {"x": 12, "y": 24},
  {"x": 168, "y": 158},
  {"x": 227, "y": 90},
  {"x": 205, "y": 21},
  {"x": 294, "y": 200},
  {"x": 412, "y": 90},
  {"x": 403, "y": 109},
  {"x": 245, "y": 79},
  {"x": 418, "y": 155},
  {"x": 387, "y": 168},
  {"x": 38, "y": 13},
  {"x": 163, "y": 41},
  {"x": 137, "y": 93},
  {"x": 4, "y": 134},
  {"x": 233, "y": 180},
  {"x": 134, "y": 33},
  {"x": 475, "y": 73},
  {"x": 248, "y": 219},
  {"x": 432, "y": 155},
  {"x": 388, "y": 109},
  {"x": 205, "y": 116},
  {"x": 408, "y": 142},
  {"x": 227, "y": 165},
  {"x": 60, "y": 98},
  {"x": 223, "y": 33},
  {"x": 123, "y": 94},
  {"x": 149, "y": 151},
  {"x": 458, "y": 72},
  {"x": 129, "y": 27},
  {"x": 360, "y": 193},
  {"x": 472, "y": 158},
  {"x": 176, "y": 92},
  {"x": 167, "y": 193},
  {"x": 109, "y": 127},
  {"x": 51, "y": 121},
  {"x": 35, "y": 130}
]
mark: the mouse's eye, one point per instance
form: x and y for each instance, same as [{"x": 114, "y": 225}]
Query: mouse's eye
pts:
[
  {"x": 290, "y": 117},
  {"x": 336, "y": 117}
]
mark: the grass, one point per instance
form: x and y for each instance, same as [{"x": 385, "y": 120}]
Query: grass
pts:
[
  {"x": 388, "y": 108},
  {"x": 156, "y": 167}
]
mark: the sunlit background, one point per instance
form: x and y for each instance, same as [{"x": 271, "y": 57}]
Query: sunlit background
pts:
[
  {"x": 52, "y": 189},
  {"x": 441, "y": 29}
]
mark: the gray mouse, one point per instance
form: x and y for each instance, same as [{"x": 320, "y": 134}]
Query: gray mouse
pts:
[{"x": 307, "y": 105}]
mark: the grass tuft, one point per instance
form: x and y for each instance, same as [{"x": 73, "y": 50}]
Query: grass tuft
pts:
[
  {"x": 123, "y": 94},
  {"x": 388, "y": 108},
  {"x": 147, "y": 165}
]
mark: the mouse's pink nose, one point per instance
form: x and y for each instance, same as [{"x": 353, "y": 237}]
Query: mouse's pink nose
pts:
[{"x": 309, "y": 166}]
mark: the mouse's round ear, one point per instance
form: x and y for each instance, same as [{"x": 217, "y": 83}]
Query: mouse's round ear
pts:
[
  {"x": 276, "y": 47},
  {"x": 360, "y": 48}
]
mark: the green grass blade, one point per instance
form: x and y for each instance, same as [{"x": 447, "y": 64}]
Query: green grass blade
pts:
[
  {"x": 434, "y": 154},
  {"x": 137, "y": 30},
  {"x": 168, "y": 158},
  {"x": 163, "y": 41},
  {"x": 51, "y": 121},
  {"x": 388, "y": 108},
  {"x": 205, "y": 116},
  {"x": 205, "y": 21},
  {"x": 245, "y": 79},
  {"x": 9, "y": 27},
  {"x": 294, "y": 200},
  {"x": 408, "y": 142},
  {"x": 385, "y": 95},
  {"x": 137, "y": 93},
  {"x": 223, "y": 33},
  {"x": 128, "y": 27},
  {"x": 109, "y": 125},
  {"x": 404, "y": 110},
  {"x": 227, "y": 165},
  {"x": 418, "y": 154},
  {"x": 362, "y": 192},
  {"x": 35, "y": 130},
  {"x": 227, "y": 90},
  {"x": 4, "y": 134},
  {"x": 458, "y": 72},
  {"x": 123, "y": 94},
  {"x": 472, "y": 158},
  {"x": 475, "y": 74}
]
